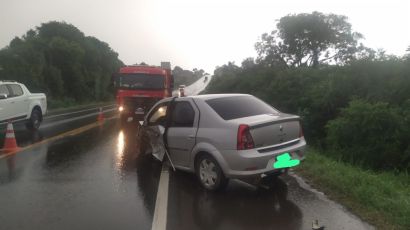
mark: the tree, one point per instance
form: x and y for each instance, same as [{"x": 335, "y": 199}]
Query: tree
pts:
[
  {"x": 186, "y": 77},
  {"x": 309, "y": 40},
  {"x": 56, "y": 58},
  {"x": 248, "y": 63}
]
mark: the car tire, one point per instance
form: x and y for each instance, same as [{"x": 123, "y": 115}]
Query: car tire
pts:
[
  {"x": 35, "y": 120},
  {"x": 210, "y": 174}
]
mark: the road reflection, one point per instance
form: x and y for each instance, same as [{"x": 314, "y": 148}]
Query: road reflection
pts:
[
  {"x": 11, "y": 162},
  {"x": 134, "y": 155},
  {"x": 130, "y": 147},
  {"x": 239, "y": 207}
]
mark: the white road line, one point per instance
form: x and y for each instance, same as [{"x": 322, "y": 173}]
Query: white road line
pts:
[{"x": 159, "y": 222}]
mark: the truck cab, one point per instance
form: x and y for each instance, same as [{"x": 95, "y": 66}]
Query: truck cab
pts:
[{"x": 139, "y": 87}]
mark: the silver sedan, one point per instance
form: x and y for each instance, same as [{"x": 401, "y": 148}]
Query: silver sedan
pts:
[{"x": 224, "y": 136}]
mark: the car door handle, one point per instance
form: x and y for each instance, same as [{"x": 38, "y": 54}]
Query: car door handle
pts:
[{"x": 191, "y": 136}]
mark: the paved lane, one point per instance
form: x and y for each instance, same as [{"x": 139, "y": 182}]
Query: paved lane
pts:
[
  {"x": 54, "y": 124},
  {"x": 98, "y": 179}
]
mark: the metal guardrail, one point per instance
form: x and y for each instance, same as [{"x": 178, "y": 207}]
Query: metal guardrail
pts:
[{"x": 69, "y": 113}]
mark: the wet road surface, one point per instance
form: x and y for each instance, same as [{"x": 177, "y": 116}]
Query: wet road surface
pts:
[
  {"x": 288, "y": 205},
  {"x": 103, "y": 179},
  {"x": 94, "y": 180},
  {"x": 54, "y": 124}
]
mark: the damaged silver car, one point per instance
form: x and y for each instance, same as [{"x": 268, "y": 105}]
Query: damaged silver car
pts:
[{"x": 225, "y": 136}]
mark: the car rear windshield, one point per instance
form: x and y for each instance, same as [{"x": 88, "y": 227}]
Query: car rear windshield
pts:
[
  {"x": 239, "y": 106},
  {"x": 140, "y": 81}
]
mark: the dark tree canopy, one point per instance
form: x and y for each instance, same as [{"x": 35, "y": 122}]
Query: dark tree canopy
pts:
[
  {"x": 309, "y": 40},
  {"x": 186, "y": 77},
  {"x": 58, "y": 59}
]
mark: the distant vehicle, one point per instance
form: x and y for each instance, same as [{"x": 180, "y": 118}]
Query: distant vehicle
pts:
[
  {"x": 205, "y": 79},
  {"x": 139, "y": 87},
  {"x": 17, "y": 103},
  {"x": 225, "y": 136},
  {"x": 181, "y": 90}
]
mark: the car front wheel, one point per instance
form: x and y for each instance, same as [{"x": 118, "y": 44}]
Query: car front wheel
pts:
[{"x": 210, "y": 173}]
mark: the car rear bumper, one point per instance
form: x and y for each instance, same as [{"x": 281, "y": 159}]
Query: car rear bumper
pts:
[{"x": 251, "y": 163}]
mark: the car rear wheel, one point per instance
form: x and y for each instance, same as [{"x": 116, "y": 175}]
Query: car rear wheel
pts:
[
  {"x": 210, "y": 173},
  {"x": 34, "y": 120}
]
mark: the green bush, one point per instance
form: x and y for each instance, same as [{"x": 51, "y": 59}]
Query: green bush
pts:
[{"x": 373, "y": 135}]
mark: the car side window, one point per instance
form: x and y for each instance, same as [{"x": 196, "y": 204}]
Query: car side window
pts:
[
  {"x": 16, "y": 90},
  {"x": 183, "y": 115},
  {"x": 4, "y": 90},
  {"x": 158, "y": 115}
]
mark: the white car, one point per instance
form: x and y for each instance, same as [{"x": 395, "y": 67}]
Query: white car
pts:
[{"x": 17, "y": 103}]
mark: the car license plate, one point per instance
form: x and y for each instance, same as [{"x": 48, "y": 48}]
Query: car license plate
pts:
[{"x": 285, "y": 161}]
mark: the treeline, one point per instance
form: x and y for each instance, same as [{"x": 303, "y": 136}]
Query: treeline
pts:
[
  {"x": 186, "y": 77},
  {"x": 58, "y": 59},
  {"x": 183, "y": 76},
  {"x": 357, "y": 110}
]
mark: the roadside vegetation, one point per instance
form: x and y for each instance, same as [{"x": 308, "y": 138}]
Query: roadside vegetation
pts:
[
  {"x": 354, "y": 102},
  {"x": 56, "y": 58},
  {"x": 382, "y": 198},
  {"x": 186, "y": 77}
]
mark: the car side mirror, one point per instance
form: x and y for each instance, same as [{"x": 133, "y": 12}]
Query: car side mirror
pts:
[{"x": 3, "y": 96}]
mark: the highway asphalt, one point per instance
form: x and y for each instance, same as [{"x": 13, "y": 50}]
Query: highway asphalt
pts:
[
  {"x": 104, "y": 178},
  {"x": 87, "y": 175}
]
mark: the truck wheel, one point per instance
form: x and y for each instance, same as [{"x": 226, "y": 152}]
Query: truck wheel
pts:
[
  {"x": 35, "y": 120},
  {"x": 210, "y": 173}
]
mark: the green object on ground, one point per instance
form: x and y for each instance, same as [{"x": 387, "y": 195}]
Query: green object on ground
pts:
[{"x": 285, "y": 161}]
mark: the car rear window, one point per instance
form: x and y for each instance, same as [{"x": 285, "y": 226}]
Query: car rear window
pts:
[{"x": 239, "y": 106}]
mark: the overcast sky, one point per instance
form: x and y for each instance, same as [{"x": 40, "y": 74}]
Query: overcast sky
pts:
[{"x": 200, "y": 33}]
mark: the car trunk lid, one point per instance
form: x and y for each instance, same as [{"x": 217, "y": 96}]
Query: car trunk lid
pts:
[{"x": 272, "y": 129}]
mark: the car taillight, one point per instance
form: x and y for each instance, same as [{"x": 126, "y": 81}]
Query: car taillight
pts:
[
  {"x": 300, "y": 130},
  {"x": 245, "y": 140}
]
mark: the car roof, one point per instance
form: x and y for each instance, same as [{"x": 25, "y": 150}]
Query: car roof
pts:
[
  {"x": 9, "y": 81},
  {"x": 205, "y": 97},
  {"x": 214, "y": 96}
]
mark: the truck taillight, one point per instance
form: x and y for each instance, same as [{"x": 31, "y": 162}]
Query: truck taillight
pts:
[
  {"x": 245, "y": 140},
  {"x": 300, "y": 130}
]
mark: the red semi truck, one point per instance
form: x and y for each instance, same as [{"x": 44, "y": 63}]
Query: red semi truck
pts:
[{"x": 139, "y": 87}]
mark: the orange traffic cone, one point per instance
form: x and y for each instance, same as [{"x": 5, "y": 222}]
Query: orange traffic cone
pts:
[
  {"x": 10, "y": 143},
  {"x": 100, "y": 115}
]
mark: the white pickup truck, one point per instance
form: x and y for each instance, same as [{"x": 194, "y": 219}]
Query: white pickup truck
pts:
[{"x": 17, "y": 103}]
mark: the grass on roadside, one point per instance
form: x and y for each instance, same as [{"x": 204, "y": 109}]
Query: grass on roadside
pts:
[{"x": 382, "y": 199}]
